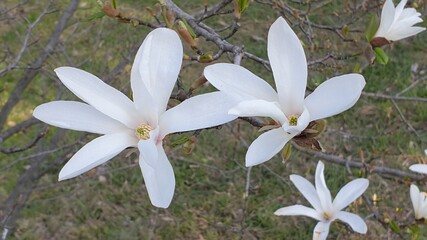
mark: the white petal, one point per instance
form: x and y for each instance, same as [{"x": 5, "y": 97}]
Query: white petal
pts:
[
  {"x": 404, "y": 33},
  {"x": 355, "y": 222},
  {"x": 409, "y": 13},
  {"x": 77, "y": 116},
  {"x": 399, "y": 9},
  {"x": 406, "y": 23},
  {"x": 202, "y": 111},
  {"x": 350, "y": 192},
  {"x": 159, "y": 180},
  {"x": 148, "y": 148},
  {"x": 95, "y": 153},
  {"x": 266, "y": 146},
  {"x": 415, "y": 194},
  {"x": 298, "y": 210},
  {"x": 321, "y": 231},
  {"x": 289, "y": 66},
  {"x": 98, "y": 94},
  {"x": 259, "y": 108},
  {"x": 419, "y": 168},
  {"x": 322, "y": 189},
  {"x": 387, "y": 18},
  {"x": 334, "y": 96},
  {"x": 307, "y": 190},
  {"x": 239, "y": 82},
  {"x": 157, "y": 65},
  {"x": 144, "y": 103}
]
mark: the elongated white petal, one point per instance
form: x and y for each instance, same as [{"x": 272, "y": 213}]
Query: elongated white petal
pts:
[
  {"x": 239, "y": 82},
  {"x": 307, "y": 190},
  {"x": 409, "y": 13},
  {"x": 289, "y": 66},
  {"x": 159, "y": 180},
  {"x": 419, "y": 168},
  {"x": 350, "y": 192},
  {"x": 146, "y": 109},
  {"x": 148, "y": 149},
  {"x": 387, "y": 19},
  {"x": 334, "y": 96},
  {"x": 415, "y": 194},
  {"x": 321, "y": 230},
  {"x": 202, "y": 111},
  {"x": 259, "y": 108},
  {"x": 266, "y": 146},
  {"x": 98, "y": 94},
  {"x": 322, "y": 188},
  {"x": 404, "y": 33},
  {"x": 355, "y": 222},
  {"x": 95, "y": 153},
  {"x": 77, "y": 116},
  {"x": 158, "y": 62},
  {"x": 399, "y": 9},
  {"x": 298, "y": 210}
]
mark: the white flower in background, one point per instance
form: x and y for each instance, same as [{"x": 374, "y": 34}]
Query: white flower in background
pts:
[
  {"x": 419, "y": 201},
  {"x": 141, "y": 123},
  {"x": 325, "y": 210},
  {"x": 419, "y": 168},
  {"x": 397, "y": 22},
  {"x": 287, "y": 106}
]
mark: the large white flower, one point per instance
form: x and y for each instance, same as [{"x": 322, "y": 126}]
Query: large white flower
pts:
[
  {"x": 287, "y": 106},
  {"x": 325, "y": 210},
  {"x": 141, "y": 123},
  {"x": 419, "y": 201},
  {"x": 397, "y": 22}
]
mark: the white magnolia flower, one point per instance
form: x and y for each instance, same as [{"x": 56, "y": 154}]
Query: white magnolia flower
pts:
[
  {"x": 397, "y": 22},
  {"x": 325, "y": 210},
  {"x": 419, "y": 201},
  {"x": 143, "y": 122},
  {"x": 287, "y": 106}
]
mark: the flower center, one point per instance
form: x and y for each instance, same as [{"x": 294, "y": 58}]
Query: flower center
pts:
[
  {"x": 143, "y": 132},
  {"x": 293, "y": 120},
  {"x": 326, "y": 216}
]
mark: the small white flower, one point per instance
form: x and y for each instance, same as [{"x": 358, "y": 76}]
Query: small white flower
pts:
[
  {"x": 419, "y": 201},
  {"x": 325, "y": 210},
  {"x": 287, "y": 106},
  {"x": 397, "y": 22},
  {"x": 143, "y": 122}
]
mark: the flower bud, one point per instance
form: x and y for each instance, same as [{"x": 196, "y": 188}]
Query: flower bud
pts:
[
  {"x": 185, "y": 34},
  {"x": 109, "y": 10}
]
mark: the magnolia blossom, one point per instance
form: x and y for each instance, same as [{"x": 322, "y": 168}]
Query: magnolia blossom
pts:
[
  {"x": 397, "y": 22},
  {"x": 287, "y": 106},
  {"x": 141, "y": 123},
  {"x": 325, "y": 210},
  {"x": 419, "y": 201}
]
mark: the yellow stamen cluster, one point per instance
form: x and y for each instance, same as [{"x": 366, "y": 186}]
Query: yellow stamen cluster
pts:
[
  {"x": 143, "y": 132},
  {"x": 293, "y": 121},
  {"x": 326, "y": 216}
]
